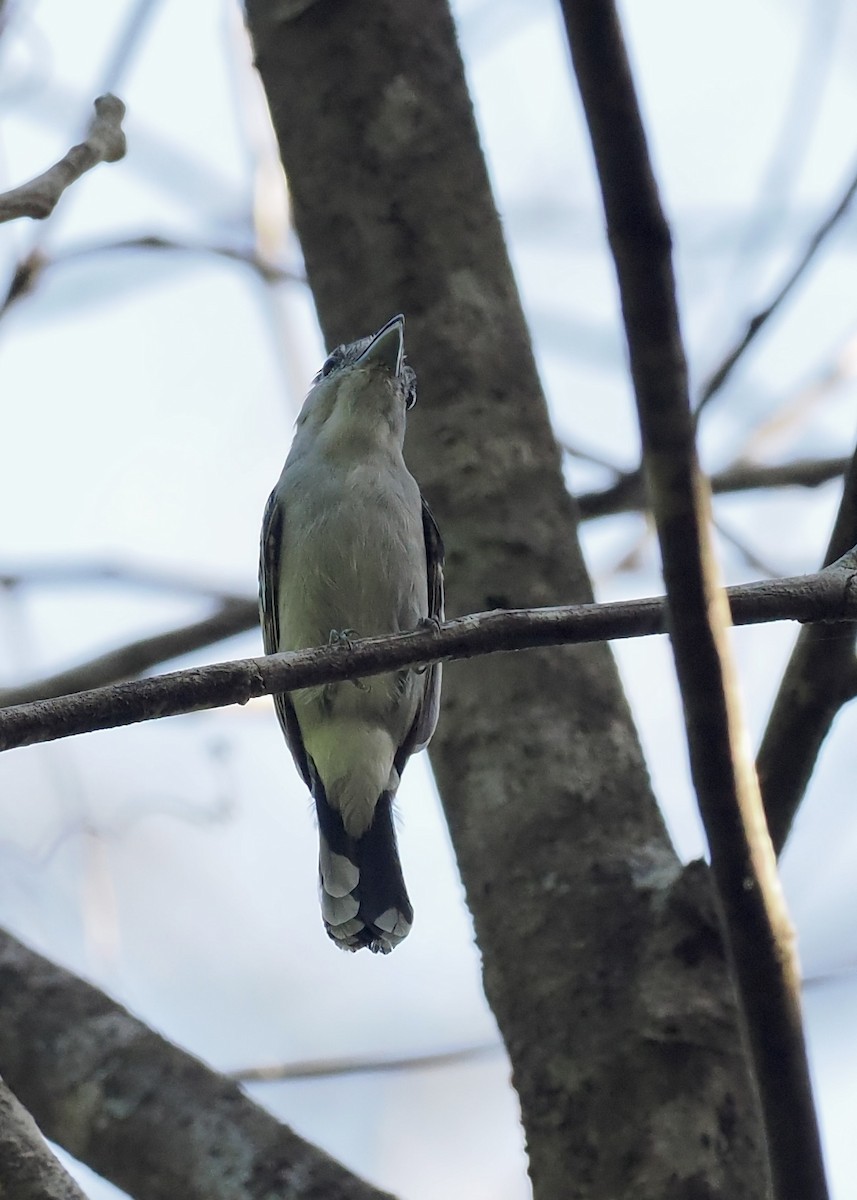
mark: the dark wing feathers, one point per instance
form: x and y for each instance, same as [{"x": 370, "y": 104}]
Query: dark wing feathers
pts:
[
  {"x": 434, "y": 563},
  {"x": 425, "y": 721},
  {"x": 269, "y": 611}
]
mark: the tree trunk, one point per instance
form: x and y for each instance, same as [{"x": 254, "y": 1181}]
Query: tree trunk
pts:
[{"x": 602, "y": 957}]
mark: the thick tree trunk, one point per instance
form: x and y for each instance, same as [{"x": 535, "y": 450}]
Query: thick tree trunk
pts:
[{"x": 602, "y": 959}]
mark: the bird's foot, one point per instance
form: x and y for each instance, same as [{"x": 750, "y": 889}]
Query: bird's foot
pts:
[
  {"x": 344, "y": 637},
  {"x": 338, "y": 637},
  {"x": 434, "y": 624}
]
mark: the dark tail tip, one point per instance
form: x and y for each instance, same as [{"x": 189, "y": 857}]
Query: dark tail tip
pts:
[{"x": 364, "y": 901}]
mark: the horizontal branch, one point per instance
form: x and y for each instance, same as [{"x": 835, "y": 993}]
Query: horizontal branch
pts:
[
  {"x": 270, "y": 272},
  {"x": 830, "y": 595},
  {"x": 105, "y": 142},
  {"x": 628, "y": 493},
  {"x": 239, "y": 614},
  {"x": 324, "y": 1068}
]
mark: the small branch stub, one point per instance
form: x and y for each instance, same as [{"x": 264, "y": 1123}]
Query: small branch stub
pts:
[{"x": 105, "y": 142}]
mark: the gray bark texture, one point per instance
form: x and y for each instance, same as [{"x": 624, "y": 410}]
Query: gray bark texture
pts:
[
  {"x": 142, "y": 1113},
  {"x": 602, "y": 958},
  {"x": 28, "y": 1169}
]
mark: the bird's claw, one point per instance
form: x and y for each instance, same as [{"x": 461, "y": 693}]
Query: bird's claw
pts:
[
  {"x": 344, "y": 637},
  {"x": 434, "y": 624}
]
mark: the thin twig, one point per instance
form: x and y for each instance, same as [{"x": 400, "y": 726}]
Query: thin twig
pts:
[
  {"x": 589, "y": 456},
  {"x": 268, "y": 271},
  {"x": 817, "y": 682},
  {"x": 759, "y": 937},
  {"x": 744, "y": 476},
  {"x": 105, "y": 142},
  {"x": 719, "y": 377},
  {"x": 752, "y": 559},
  {"x": 324, "y": 1068},
  {"x": 127, "y": 44},
  {"x": 84, "y": 573},
  {"x": 628, "y": 493},
  {"x": 792, "y": 415},
  {"x": 831, "y": 595}
]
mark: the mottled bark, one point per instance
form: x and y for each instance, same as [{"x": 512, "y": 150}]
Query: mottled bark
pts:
[
  {"x": 604, "y": 971},
  {"x": 28, "y": 1169},
  {"x": 144, "y": 1114}
]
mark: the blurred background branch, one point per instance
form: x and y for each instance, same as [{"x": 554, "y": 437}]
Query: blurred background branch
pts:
[{"x": 828, "y": 596}]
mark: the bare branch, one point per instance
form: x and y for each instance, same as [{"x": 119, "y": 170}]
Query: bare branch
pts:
[
  {"x": 589, "y": 456},
  {"x": 802, "y": 472},
  {"x": 628, "y": 493},
  {"x": 789, "y": 417},
  {"x": 828, "y": 596},
  {"x": 137, "y": 657},
  {"x": 269, "y": 271},
  {"x": 758, "y": 934},
  {"x": 105, "y": 142},
  {"x": 128, "y": 41},
  {"x": 818, "y": 680},
  {"x": 25, "y": 279},
  {"x": 719, "y": 377},
  {"x": 28, "y": 1169},
  {"x": 324, "y": 1068},
  {"x": 84, "y": 573},
  {"x": 141, "y": 1112},
  {"x": 753, "y": 560}
]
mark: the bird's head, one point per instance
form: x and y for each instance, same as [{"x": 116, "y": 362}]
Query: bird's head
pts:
[{"x": 365, "y": 384}]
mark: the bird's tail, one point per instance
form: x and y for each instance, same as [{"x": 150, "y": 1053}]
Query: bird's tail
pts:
[{"x": 364, "y": 901}]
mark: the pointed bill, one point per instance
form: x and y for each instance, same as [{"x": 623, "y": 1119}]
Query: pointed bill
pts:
[{"x": 387, "y": 346}]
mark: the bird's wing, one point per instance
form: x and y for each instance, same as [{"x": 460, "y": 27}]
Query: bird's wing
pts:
[
  {"x": 269, "y": 611},
  {"x": 425, "y": 720},
  {"x": 434, "y": 563}
]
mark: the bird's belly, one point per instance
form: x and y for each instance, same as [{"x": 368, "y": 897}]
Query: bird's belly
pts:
[{"x": 353, "y": 570}]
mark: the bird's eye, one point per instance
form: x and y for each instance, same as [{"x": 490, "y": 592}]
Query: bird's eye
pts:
[{"x": 329, "y": 364}]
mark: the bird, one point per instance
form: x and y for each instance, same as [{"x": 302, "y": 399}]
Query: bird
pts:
[{"x": 349, "y": 549}]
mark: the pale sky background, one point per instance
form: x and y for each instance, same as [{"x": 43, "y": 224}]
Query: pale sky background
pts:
[{"x": 148, "y": 400}]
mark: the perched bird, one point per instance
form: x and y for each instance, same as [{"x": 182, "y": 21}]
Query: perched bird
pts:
[{"x": 350, "y": 549}]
